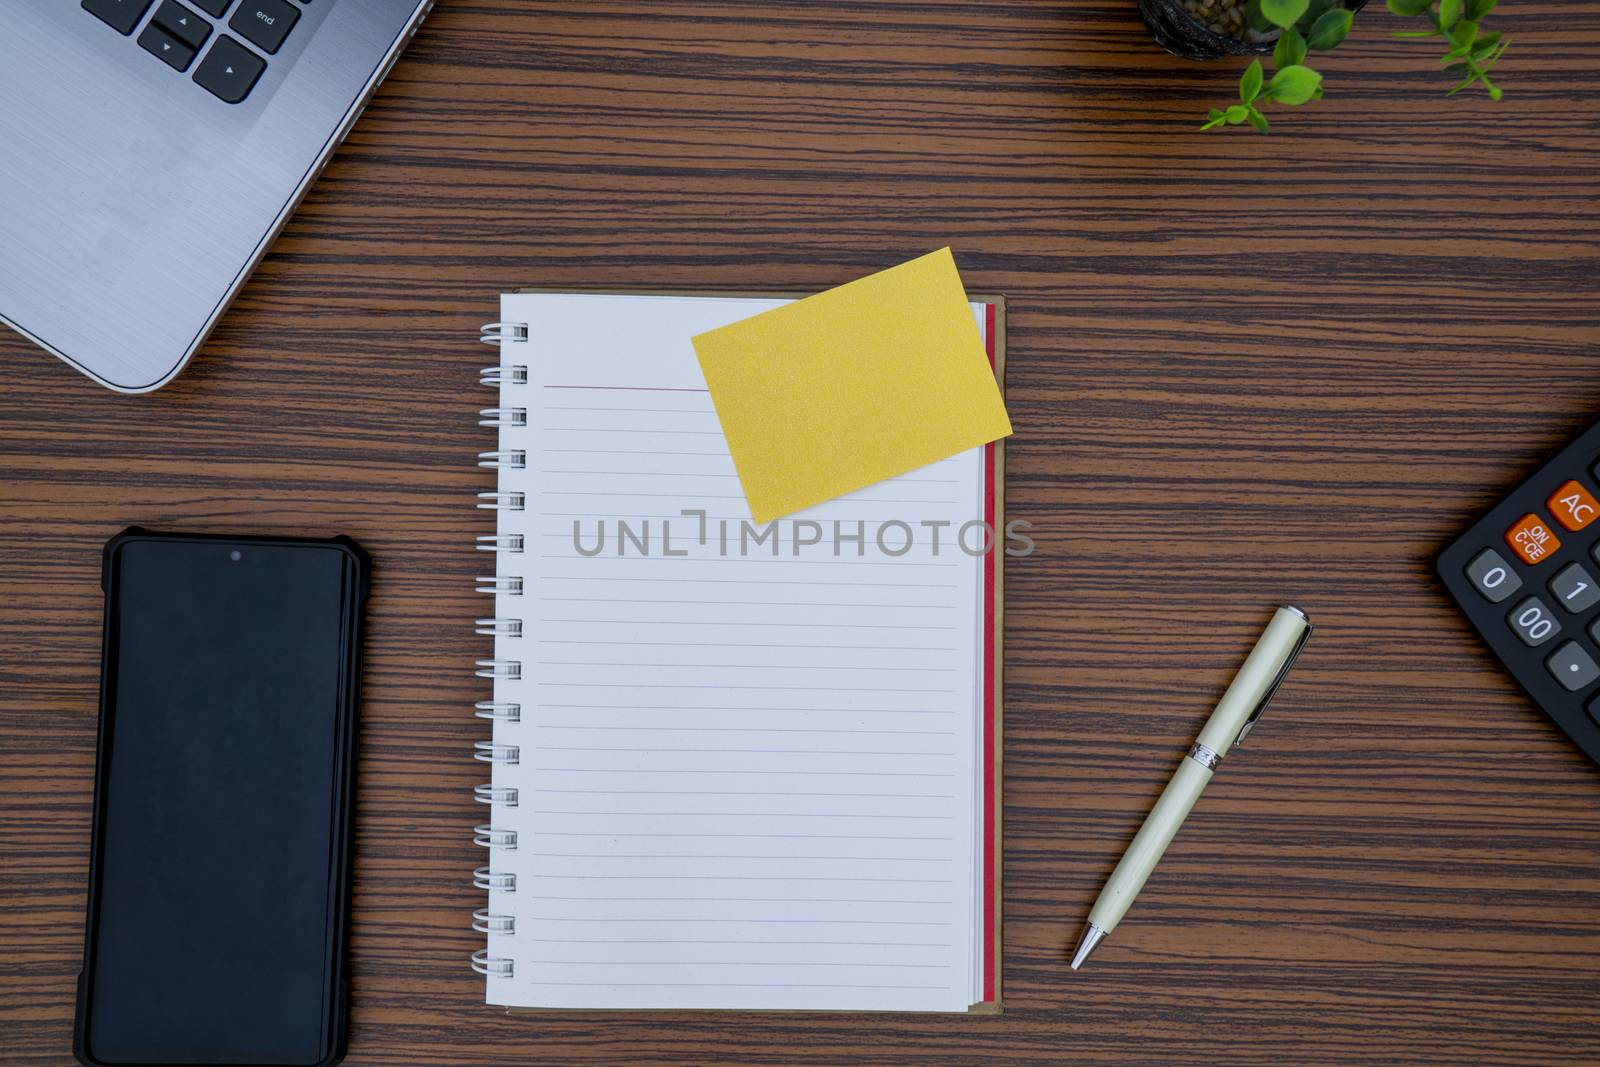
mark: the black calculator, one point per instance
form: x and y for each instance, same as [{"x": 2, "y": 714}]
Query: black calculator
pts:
[{"x": 1527, "y": 574}]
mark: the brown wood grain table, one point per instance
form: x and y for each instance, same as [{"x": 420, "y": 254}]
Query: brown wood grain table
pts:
[{"x": 1244, "y": 370}]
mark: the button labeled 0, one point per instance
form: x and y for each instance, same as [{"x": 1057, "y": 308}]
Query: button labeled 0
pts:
[{"x": 1492, "y": 576}]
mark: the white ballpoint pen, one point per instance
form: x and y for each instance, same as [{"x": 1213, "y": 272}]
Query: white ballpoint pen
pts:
[{"x": 1240, "y": 707}]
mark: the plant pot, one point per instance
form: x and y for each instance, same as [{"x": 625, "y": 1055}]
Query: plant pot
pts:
[{"x": 1184, "y": 35}]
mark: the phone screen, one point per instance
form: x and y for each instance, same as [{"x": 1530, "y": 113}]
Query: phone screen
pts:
[{"x": 227, "y": 735}]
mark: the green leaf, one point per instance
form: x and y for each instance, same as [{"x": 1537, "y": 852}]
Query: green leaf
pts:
[
  {"x": 1258, "y": 120},
  {"x": 1294, "y": 85},
  {"x": 1409, "y": 8},
  {"x": 1476, "y": 9},
  {"x": 1237, "y": 114},
  {"x": 1250, "y": 81},
  {"x": 1484, "y": 45},
  {"x": 1314, "y": 11},
  {"x": 1290, "y": 49},
  {"x": 1494, "y": 57},
  {"x": 1284, "y": 13},
  {"x": 1449, "y": 13},
  {"x": 1254, "y": 18},
  {"x": 1214, "y": 118},
  {"x": 1464, "y": 34},
  {"x": 1330, "y": 29}
]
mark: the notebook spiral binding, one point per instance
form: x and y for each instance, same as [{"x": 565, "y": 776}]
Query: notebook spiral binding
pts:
[
  {"x": 501, "y": 710},
  {"x": 494, "y": 333},
  {"x": 491, "y": 794},
  {"x": 494, "y": 967},
  {"x": 489, "y": 752},
  {"x": 489, "y": 878},
  {"x": 499, "y": 624}
]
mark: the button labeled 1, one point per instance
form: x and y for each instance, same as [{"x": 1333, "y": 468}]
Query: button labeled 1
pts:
[
  {"x": 1573, "y": 589},
  {"x": 1533, "y": 622},
  {"x": 1492, "y": 576}
]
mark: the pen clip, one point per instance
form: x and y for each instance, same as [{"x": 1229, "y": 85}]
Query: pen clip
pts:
[{"x": 1266, "y": 697}]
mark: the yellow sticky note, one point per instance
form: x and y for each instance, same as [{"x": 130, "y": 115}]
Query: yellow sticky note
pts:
[{"x": 846, "y": 388}]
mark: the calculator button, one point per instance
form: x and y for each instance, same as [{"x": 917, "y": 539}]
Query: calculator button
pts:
[
  {"x": 1573, "y": 507},
  {"x": 1492, "y": 576},
  {"x": 1533, "y": 622},
  {"x": 1531, "y": 539},
  {"x": 1572, "y": 667},
  {"x": 1573, "y": 589}
]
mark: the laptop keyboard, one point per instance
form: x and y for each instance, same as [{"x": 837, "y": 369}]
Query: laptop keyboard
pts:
[{"x": 243, "y": 33}]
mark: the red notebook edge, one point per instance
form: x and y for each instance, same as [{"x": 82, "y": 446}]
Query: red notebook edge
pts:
[{"x": 993, "y": 620}]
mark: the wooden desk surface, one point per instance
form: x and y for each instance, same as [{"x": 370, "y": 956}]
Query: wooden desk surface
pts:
[{"x": 1243, "y": 370}]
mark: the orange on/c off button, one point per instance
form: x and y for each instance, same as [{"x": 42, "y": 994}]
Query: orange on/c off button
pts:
[
  {"x": 1573, "y": 507},
  {"x": 1531, "y": 539}
]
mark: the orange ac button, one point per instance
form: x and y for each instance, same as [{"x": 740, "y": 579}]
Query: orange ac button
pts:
[
  {"x": 1573, "y": 507},
  {"x": 1531, "y": 539}
]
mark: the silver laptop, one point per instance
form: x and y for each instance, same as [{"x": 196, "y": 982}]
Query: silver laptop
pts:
[{"x": 151, "y": 149}]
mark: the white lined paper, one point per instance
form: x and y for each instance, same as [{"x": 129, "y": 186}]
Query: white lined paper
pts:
[{"x": 744, "y": 782}]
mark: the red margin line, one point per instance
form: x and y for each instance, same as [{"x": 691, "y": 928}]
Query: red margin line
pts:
[{"x": 990, "y": 562}]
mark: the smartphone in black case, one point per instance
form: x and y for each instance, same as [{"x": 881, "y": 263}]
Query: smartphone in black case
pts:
[{"x": 219, "y": 886}]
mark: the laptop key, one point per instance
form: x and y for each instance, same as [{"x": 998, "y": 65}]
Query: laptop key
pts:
[
  {"x": 213, "y": 7},
  {"x": 229, "y": 71},
  {"x": 120, "y": 15},
  {"x": 182, "y": 23},
  {"x": 265, "y": 23},
  {"x": 165, "y": 47}
]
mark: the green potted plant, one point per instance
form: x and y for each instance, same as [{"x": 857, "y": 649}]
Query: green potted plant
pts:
[{"x": 1291, "y": 29}]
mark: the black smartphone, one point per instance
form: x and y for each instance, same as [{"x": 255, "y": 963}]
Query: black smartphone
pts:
[{"x": 219, "y": 887}]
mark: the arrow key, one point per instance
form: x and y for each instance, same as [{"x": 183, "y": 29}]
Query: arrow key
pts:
[
  {"x": 165, "y": 47},
  {"x": 229, "y": 71},
  {"x": 182, "y": 23}
]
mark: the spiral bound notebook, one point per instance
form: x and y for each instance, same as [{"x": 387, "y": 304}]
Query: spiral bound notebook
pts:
[{"x": 734, "y": 767}]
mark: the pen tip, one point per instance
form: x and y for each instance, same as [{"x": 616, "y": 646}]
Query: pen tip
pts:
[{"x": 1091, "y": 937}]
